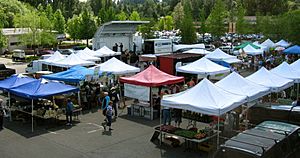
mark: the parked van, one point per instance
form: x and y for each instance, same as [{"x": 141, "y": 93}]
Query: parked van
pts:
[
  {"x": 18, "y": 55},
  {"x": 269, "y": 139},
  {"x": 34, "y": 66}
]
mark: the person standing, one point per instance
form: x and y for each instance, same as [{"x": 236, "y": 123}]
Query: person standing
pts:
[
  {"x": 166, "y": 112},
  {"x": 115, "y": 48},
  {"x": 177, "y": 117},
  {"x": 109, "y": 114},
  {"x": 105, "y": 103},
  {"x": 69, "y": 112},
  {"x": 134, "y": 47},
  {"x": 121, "y": 47},
  {"x": 115, "y": 100}
]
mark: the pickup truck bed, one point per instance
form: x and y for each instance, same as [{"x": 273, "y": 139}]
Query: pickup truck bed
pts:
[{"x": 6, "y": 72}]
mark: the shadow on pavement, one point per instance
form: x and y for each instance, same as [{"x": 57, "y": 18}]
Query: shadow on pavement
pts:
[{"x": 141, "y": 120}]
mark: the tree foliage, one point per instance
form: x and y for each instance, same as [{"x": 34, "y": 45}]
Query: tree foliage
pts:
[
  {"x": 73, "y": 27},
  {"x": 134, "y": 16},
  {"x": 188, "y": 33},
  {"x": 121, "y": 16},
  {"x": 87, "y": 26},
  {"x": 59, "y": 22},
  {"x": 216, "y": 19},
  {"x": 241, "y": 25},
  {"x": 178, "y": 15}
]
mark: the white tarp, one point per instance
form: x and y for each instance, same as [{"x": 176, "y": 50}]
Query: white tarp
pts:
[
  {"x": 116, "y": 66},
  {"x": 286, "y": 71},
  {"x": 72, "y": 60},
  {"x": 137, "y": 92},
  {"x": 197, "y": 51},
  {"x": 252, "y": 51},
  {"x": 237, "y": 84},
  {"x": 106, "y": 52},
  {"x": 261, "y": 46},
  {"x": 203, "y": 66},
  {"x": 282, "y": 43},
  {"x": 188, "y": 46},
  {"x": 219, "y": 55},
  {"x": 268, "y": 43},
  {"x": 85, "y": 56},
  {"x": 296, "y": 65},
  {"x": 266, "y": 78},
  {"x": 204, "y": 98},
  {"x": 57, "y": 56}
]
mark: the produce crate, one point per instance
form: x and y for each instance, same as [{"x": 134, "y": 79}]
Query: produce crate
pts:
[{"x": 205, "y": 147}]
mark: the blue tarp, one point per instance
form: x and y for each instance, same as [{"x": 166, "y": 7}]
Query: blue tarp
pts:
[
  {"x": 292, "y": 50},
  {"x": 42, "y": 89},
  {"x": 15, "y": 81},
  {"x": 74, "y": 74}
]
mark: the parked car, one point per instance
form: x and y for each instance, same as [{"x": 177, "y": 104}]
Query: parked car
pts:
[
  {"x": 269, "y": 139},
  {"x": 6, "y": 72},
  {"x": 44, "y": 52},
  {"x": 66, "y": 51}
]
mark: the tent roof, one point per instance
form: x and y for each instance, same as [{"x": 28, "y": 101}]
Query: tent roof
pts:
[
  {"x": 116, "y": 66},
  {"x": 197, "y": 51},
  {"x": 188, "y": 46},
  {"x": 292, "y": 50},
  {"x": 152, "y": 77},
  {"x": 86, "y": 56},
  {"x": 261, "y": 46},
  {"x": 72, "y": 60},
  {"x": 204, "y": 98},
  {"x": 246, "y": 44},
  {"x": 203, "y": 66},
  {"x": 237, "y": 84},
  {"x": 105, "y": 52},
  {"x": 57, "y": 56},
  {"x": 89, "y": 52},
  {"x": 219, "y": 55},
  {"x": 252, "y": 51},
  {"x": 295, "y": 65},
  {"x": 15, "y": 81},
  {"x": 42, "y": 89},
  {"x": 286, "y": 71},
  {"x": 268, "y": 43},
  {"x": 270, "y": 80},
  {"x": 74, "y": 74},
  {"x": 282, "y": 43}
]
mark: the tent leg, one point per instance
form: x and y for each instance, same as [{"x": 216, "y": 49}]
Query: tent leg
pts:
[
  {"x": 151, "y": 103},
  {"x": 218, "y": 134},
  {"x": 270, "y": 99},
  {"x": 31, "y": 115},
  {"x": 160, "y": 112},
  {"x": 297, "y": 90},
  {"x": 9, "y": 106}
]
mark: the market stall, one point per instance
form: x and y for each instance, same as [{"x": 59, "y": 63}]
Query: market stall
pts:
[
  {"x": 197, "y": 51},
  {"x": 219, "y": 55},
  {"x": 292, "y": 50},
  {"x": 70, "y": 61},
  {"x": 250, "y": 50},
  {"x": 140, "y": 87},
  {"x": 282, "y": 43},
  {"x": 268, "y": 43},
  {"x": 39, "y": 89},
  {"x": 205, "y": 98},
  {"x": 86, "y": 56},
  {"x": 106, "y": 52}
]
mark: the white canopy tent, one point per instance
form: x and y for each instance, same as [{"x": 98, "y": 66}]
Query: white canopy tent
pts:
[
  {"x": 57, "y": 56},
  {"x": 237, "y": 84},
  {"x": 219, "y": 55},
  {"x": 286, "y": 71},
  {"x": 72, "y": 60},
  {"x": 87, "y": 50},
  {"x": 205, "y": 98},
  {"x": 252, "y": 51},
  {"x": 264, "y": 48},
  {"x": 106, "y": 52},
  {"x": 188, "y": 46},
  {"x": 266, "y": 78},
  {"x": 203, "y": 66},
  {"x": 268, "y": 43},
  {"x": 116, "y": 66},
  {"x": 282, "y": 43},
  {"x": 296, "y": 65},
  {"x": 197, "y": 51},
  {"x": 85, "y": 56}
]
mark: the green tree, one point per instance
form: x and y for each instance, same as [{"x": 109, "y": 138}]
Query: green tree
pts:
[
  {"x": 121, "y": 16},
  {"x": 134, "y": 16},
  {"x": 241, "y": 25},
  {"x": 216, "y": 19},
  {"x": 87, "y": 26},
  {"x": 161, "y": 23},
  {"x": 147, "y": 29},
  {"x": 178, "y": 15},
  {"x": 49, "y": 12},
  {"x": 188, "y": 33},
  {"x": 59, "y": 22},
  {"x": 106, "y": 15},
  {"x": 203, "y": 28},
  {"x": 169, "y": 23},
  {"x": 73, "y": 26}
]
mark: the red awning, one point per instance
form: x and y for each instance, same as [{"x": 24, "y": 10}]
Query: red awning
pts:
[{"x": 152, "y": 77}]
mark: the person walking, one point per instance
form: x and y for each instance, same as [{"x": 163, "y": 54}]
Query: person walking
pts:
[
  {"x": 69, "y": 112},
  {"x": 105, "y": 103},
  {"x": 109, "y": 114},
  {"x": 115, "y": 100}
]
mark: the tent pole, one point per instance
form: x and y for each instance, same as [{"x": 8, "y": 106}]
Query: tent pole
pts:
[
  {"x": 31, "y": 115},
  {"x": 297, "y": 90},
  {"x": 9, "y": 106},
  {"x": 270, "y": 99},
  {"x": 218, "y": 137},
  {"x": 160, "y": 114},
  {"x": 151, "y": 104}
]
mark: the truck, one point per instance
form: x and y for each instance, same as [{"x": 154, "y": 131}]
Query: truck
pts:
[
  {"x": 157, "y": 46},
  {"x": 18, "y": 55},
  {"x": 6, "y": 72},
  {"x": 34, "y": 66}
]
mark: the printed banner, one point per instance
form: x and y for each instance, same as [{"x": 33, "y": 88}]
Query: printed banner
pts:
[{"x": 137, "y": 92}]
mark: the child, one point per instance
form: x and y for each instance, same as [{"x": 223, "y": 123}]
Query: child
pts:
[{"x": 109, "y": 114}]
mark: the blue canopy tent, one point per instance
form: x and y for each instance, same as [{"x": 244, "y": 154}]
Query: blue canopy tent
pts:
[
  {"x": 292, "y": 50},
  {"x": 73, "y": 75},
  {"x": 41, "y": 89}
]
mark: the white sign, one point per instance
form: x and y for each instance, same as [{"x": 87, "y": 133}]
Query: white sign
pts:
[{"x": 137, "y": 92}]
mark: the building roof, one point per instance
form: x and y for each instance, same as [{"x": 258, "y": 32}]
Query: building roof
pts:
[{"x": 14, "y": 31}]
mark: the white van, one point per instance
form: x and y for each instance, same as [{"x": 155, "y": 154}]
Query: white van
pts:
[
  {"x": 157, "y": 46},
  {"x": 34, "y": 66},
  {"x": 18, "y": 55}
]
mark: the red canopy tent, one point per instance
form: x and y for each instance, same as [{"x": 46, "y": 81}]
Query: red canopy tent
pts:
[{"x": 152, "y": 77}]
